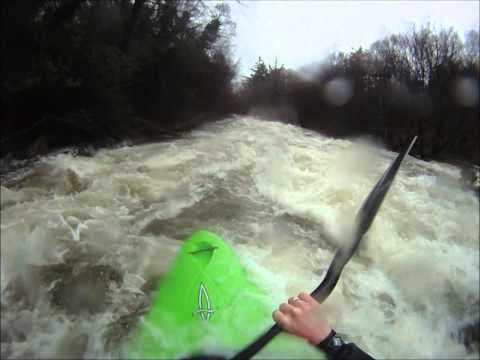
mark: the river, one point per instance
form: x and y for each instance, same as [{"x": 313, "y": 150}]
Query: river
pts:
[{"x": 84, "y": 239}]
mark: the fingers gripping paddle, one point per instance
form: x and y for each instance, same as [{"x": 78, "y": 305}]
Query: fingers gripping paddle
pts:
[{"x": 363, "y": 220}]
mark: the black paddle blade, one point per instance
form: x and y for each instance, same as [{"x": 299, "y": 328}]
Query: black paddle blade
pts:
[{"x": 363, "y": 220}]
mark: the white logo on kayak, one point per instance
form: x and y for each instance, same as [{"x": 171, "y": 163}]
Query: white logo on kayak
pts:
[{"x": 204, "y": 306}]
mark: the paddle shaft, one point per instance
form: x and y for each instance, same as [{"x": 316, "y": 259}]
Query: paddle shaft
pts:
[
  {"x": 264, "y": 339},
  {"x": 260, "y": 342}
]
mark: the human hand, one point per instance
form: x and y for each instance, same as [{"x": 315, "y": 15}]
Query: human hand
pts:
[{"x": 303, "y": 317}]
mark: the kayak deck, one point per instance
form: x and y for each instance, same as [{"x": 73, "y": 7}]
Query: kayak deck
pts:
[{"x": 207, "y": 303}]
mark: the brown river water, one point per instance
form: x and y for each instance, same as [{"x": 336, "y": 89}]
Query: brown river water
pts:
[{"x": 85, "y": 240}]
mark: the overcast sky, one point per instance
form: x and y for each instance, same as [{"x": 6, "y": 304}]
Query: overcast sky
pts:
[{"x": 303, "y": 32}]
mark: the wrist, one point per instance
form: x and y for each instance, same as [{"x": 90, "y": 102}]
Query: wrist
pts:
[
  {"x": 332, "y": 344},
  {"x": 319, "y": 336}
]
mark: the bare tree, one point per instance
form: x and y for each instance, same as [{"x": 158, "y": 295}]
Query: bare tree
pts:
[{"x": 130, "y": 25}]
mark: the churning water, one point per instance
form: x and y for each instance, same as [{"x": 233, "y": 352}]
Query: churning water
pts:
[{"x": 84, "y": 240}]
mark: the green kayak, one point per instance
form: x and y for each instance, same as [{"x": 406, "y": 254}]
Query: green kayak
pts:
[{"x": 206, "y": 303}]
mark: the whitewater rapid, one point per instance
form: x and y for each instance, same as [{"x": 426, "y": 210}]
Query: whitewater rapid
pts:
[{"x": 84, "y": 240}]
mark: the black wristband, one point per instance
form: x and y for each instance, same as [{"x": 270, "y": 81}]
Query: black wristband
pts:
[{"x": 331, "y": 344}]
